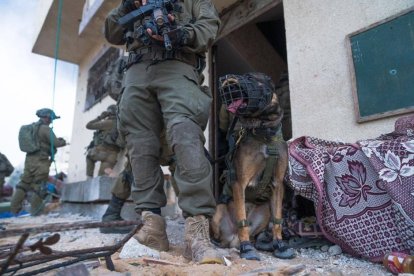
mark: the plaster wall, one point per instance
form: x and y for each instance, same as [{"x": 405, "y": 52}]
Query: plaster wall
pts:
[
  {"x": 81, "y": 136},
  {"x": 42, "y": 8},
  {"x": 319, "y": 65}
]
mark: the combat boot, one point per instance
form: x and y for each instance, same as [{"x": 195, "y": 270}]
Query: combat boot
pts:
[
  {"x": 16, "y": 203},
  {"x": 113, "y": 213},
  {"x": 153, "y": 234},
  {"x": 197, "y": 242}
]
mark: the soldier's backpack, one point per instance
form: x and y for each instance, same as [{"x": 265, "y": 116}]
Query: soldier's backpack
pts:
[
  {"x": 28, "y": 140},
  {"x": 113, "y": 138}
]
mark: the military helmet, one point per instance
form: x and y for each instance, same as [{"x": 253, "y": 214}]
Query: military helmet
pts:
[
  {"x": 111, "y": 109},
  {"x": 246, "y": 94},
  {"x": 47, "y": 112}
]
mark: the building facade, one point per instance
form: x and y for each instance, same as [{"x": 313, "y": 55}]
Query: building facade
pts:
[{"x": 308, "y": 39}]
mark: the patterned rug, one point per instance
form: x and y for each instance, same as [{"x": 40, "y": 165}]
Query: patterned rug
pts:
[{"x": 363, "y": 192}]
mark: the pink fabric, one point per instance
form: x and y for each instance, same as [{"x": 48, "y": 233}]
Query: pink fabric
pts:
[
  {"x": 405, "y": 125},
  {"x": 363, "y": 192}
]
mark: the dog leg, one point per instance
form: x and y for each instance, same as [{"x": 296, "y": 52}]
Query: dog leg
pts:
[
  {"x": 276, "y": 207},
  {"x": 247, "y": 250},
  {"x": 224, "y": 230},
  {"x": 281, "y": 249},
  {"x": 259, "y": 217}
]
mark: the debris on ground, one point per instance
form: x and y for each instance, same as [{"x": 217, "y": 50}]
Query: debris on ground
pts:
[{"x": 312, "y": 262}]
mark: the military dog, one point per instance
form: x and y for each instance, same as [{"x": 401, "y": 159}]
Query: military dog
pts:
[{"x": 259, "y": 161}]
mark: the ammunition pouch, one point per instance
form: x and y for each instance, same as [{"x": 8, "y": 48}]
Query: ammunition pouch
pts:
[
  {"x": 267, "y": 133},
  {"x": 158, "y": 54}
]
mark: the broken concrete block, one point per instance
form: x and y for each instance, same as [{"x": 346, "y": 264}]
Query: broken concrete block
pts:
[{"x": 133, "y": 249}]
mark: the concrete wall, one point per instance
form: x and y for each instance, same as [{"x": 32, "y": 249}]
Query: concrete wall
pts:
[
  {"x": 80, "y": 135},
  {"x": 319, "y": 69},
  {"x": 42, "y": 8}
]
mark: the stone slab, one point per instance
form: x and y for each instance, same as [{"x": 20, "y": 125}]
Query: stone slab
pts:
[
  {"x": 96, "y": 189},
  {"x": 95, "y": 210},
  {"x": 91, "y": 198}
]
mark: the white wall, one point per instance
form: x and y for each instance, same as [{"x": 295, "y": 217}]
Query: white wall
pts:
[
  {"x": 319, "y": 69},
  {"x": 81, "y": 136}
]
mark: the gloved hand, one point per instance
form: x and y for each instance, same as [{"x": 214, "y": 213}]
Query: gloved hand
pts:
[
  {"x": 60, "y": 139},
  {"x": 128, "y": 6},
  {"x": 144, "y": 36},
  {"x": 179, "y": 37},
  {"x": 103, "y": 115}
]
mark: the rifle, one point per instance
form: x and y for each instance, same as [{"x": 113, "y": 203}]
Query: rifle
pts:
[{"x": 159, "y": 23}]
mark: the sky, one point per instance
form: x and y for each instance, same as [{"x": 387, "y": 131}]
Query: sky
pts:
[{"x": 27, "y": 79}]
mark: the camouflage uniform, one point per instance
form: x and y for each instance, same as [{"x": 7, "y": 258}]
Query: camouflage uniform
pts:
[
  {"x": 6, "y": 169},
  {"x": 36, "y": 166},
  {"x": 104, "y": 147},
  {"x": 161, "y": 89},
  {"x": 167, "y": 93},
  {"x": 121, "y": 190}
]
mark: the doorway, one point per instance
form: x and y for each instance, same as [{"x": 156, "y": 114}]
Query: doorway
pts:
[{"x": 259, "y": 45}]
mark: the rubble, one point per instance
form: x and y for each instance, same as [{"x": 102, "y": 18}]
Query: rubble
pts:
[{"x": 309, "y": 261}]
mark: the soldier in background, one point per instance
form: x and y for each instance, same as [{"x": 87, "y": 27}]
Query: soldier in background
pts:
[
  {"x": 37, "y": 164},
  {"x": 121, "y": 190},
  {"x": 6, "y": 169},
  {"x": 104, "y": 147}
]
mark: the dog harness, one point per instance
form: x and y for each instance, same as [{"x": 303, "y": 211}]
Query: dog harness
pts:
[{"x": 271, "y": 137}]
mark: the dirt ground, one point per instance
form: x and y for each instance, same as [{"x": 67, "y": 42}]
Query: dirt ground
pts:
[{"x": 308, "y": 261}]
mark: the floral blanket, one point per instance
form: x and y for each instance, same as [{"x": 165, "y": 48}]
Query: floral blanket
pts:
[{"x": 363, "y": 192}]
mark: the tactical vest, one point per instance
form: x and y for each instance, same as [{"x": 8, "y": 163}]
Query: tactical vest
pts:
[
  {"x": 98, "y": 137},
  {"x": 108, "y": 137}
]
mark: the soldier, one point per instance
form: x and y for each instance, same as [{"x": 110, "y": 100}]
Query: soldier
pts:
[
  {"x": 6, "y": 169},
  {"x": 161, "y": 89},
  {"x": 37, "y": 163},
  {"x": 121, "y": 191},
  {"x": 104, "y": 146}
]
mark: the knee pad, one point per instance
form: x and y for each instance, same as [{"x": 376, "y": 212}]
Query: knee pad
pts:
[{"x": 186, "y": 139}]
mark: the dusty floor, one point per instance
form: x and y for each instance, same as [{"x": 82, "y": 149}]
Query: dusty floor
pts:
[{"x": 308, "y": 261}]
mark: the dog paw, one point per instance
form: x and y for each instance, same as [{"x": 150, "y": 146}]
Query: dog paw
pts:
[
  {"x": 287, "y": 253},
  {"x": 282, "y": 250},
  {"x": 248, "y": 252},
  {"x": 264, "y": 246},
  {"x": 280, "y": 245}
]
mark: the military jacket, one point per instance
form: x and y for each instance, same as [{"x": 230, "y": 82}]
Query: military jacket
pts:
[
  {"x": 46, "y": 138},
  {"x": 105, "y": 130},
  {"x": 198, "y": 17}
]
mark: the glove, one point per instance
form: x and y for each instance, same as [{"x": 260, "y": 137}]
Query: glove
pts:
[
  {"x": 179, "y": 37},
  {"x": 143, "y": 35},
  {"x": 103, "y": 115},
  {"x": 62, "y": 140},
  {"x": 128, "y": 6}
]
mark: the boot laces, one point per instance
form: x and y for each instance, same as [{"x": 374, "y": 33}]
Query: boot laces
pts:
[
  {"x": 147, "y": 223},
  {"x": 200, "y": 229}
]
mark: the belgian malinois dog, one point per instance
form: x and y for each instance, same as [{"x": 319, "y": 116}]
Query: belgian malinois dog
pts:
[{"x": 259, "y": 160}]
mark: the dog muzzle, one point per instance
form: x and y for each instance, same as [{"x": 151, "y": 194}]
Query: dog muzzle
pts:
[{"x": 244, "y": 95}]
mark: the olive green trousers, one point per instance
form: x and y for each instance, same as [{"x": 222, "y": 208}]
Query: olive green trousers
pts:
[
  {"x": 167, "y": 94},
  {"x": 108, "y": 157},
  {"x": 33, "y": 180}
]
